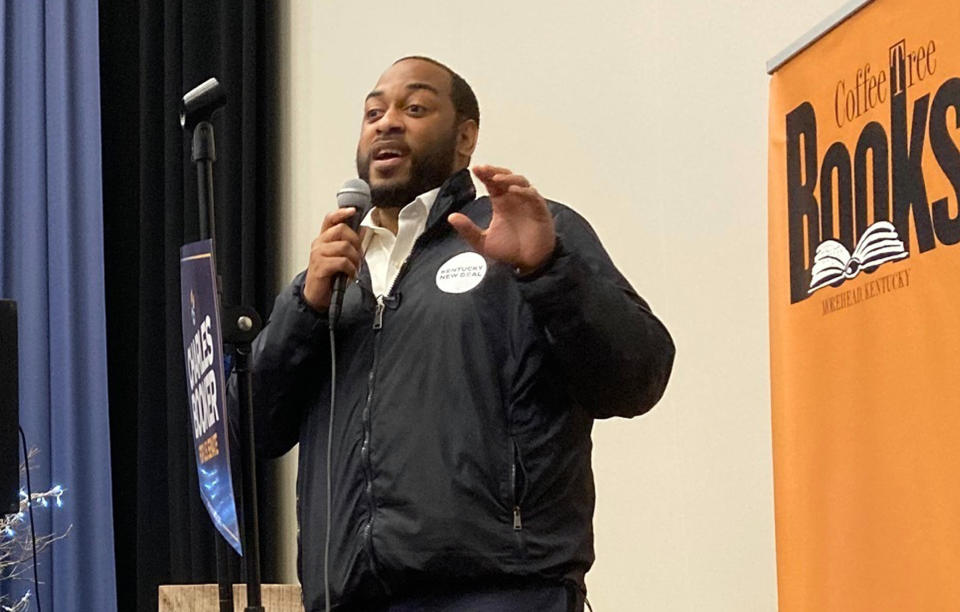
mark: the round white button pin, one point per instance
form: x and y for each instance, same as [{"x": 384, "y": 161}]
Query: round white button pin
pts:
[{"x": 461, "y": 273}]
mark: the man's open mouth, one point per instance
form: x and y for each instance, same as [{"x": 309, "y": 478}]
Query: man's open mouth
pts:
[
  {"x": 387, "y": 157},
  {"x": 385, "y": 154}
]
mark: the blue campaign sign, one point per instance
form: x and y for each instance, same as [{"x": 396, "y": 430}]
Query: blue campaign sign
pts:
[{"x": 203, "y": 358}]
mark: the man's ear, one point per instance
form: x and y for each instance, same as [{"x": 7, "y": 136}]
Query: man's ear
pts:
[{"x": 467, "y": 133}]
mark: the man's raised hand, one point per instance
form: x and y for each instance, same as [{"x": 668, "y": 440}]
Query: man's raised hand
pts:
[{"x": 521, "y": 231}]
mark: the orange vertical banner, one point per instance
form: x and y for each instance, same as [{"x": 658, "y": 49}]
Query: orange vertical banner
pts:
[{"x": 864, "y": 265}]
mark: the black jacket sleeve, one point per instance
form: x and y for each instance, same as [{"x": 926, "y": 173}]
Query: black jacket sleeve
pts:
[
  {"x": 616, "y": 355},
  {"x": 291, "y": 346}
]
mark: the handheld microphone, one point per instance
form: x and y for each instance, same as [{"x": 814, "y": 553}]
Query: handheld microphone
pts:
[{"x": 355, "y": 193}]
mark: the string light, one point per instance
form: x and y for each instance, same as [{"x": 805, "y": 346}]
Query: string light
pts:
[
  {"x": 16, "y": 549},
  {"x": 21, "y": 606}
]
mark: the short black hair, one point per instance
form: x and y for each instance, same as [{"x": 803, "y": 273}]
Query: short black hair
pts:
[{"x": 464, "y": 100}]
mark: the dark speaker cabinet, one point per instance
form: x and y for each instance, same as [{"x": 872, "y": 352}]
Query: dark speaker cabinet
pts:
[{"x": 9, "y": 412}]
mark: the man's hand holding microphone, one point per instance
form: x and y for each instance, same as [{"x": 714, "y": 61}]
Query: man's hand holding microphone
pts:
[{"x": 336, "y": 253}]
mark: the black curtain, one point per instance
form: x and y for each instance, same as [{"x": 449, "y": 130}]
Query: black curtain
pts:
[{"x": 151, "y": 53}]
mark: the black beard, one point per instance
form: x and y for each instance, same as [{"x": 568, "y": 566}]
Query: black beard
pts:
[{"x": 427, "y": 171}]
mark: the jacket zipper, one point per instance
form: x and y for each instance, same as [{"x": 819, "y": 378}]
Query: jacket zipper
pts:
[
  {"x": 517, "y": 522},
  {"x": 378, "y": 314},
  {"x": 367, "y": 531},
  {"x": 515, "y": 474}
]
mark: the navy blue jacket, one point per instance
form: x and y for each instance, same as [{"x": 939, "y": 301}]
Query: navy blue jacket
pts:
[{"x": 461, "y": 433}]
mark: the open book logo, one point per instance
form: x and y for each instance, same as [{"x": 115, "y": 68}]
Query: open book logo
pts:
[{"x": 833, "y": 264}]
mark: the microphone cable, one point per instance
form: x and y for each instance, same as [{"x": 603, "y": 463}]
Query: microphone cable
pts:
[
  {"x": 354, "y": 193},
  {"x": 33, "y": 532},
  {"x": 333, "y": 396}
]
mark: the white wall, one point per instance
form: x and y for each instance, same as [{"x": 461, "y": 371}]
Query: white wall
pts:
[{"x": 649, "y": 117}]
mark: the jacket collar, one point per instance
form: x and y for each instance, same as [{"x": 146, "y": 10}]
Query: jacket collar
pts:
[{"x": 455, "y": 192}]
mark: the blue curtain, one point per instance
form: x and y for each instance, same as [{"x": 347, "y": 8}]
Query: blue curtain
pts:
[{"x": 51, "y": 234}]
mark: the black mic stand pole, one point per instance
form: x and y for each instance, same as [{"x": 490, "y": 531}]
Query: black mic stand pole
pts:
[
  {"x": 203, "y": 154},
  {"x": 241, "y": 324}
]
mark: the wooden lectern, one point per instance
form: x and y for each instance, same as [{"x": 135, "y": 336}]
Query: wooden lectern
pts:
[{"x": 203, "y": 598}]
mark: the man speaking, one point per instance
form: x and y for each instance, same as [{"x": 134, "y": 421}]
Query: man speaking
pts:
[{"x": 479, "y": 341}]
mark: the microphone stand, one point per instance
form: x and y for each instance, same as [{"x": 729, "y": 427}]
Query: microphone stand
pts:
[{"x": 241, "y": 324}]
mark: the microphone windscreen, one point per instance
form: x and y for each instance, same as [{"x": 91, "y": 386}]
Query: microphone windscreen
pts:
[
  {"x": 199, "y": 103},
  {"x": 356, "y": 193}
]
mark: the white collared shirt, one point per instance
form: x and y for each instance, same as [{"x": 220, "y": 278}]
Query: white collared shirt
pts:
[{"x": 384, "y": 252}]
